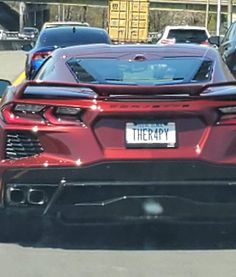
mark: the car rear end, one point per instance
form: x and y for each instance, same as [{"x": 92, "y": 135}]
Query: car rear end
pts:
[
  {"x": 185, "y": 34},
  {"x": 131, "y": 144},
  {"x": 53, "y": 38}
]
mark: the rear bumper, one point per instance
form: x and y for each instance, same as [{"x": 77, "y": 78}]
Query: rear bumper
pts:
[{"x": 124, "y": 191}]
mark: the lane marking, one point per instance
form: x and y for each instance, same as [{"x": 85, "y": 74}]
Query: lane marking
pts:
[{"x": 19, "y": 79}]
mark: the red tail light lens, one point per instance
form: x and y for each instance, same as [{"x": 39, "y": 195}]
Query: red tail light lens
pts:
[
  {"x": 23, "y": 114},
  {"x": 205, "y": 42},
  {"x": 29, "y": 114},
  {"x": 168, "y": 41},
  {"x": 40, "y": 55}
]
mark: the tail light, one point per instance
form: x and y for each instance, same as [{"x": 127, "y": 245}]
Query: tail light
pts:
[
  {"x": 205, "y": 42},
  {"x": 29, "y": 114},
  {"x": 64, "y": 115},
  {"x": 168, "y": 41},
  {"x": 41, "y": 55},
  {"x": 227, "y": 115},
  {"x": 23, "y": 114}
]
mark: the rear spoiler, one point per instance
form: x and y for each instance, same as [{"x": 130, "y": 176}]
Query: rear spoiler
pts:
[{"x": 33, "y": 89}]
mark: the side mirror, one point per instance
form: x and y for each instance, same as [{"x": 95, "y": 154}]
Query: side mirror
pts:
[
  {"x": 3, "y": 85},
  {"x": 215, "y": 40},
  {"x": 26, "y": 47},
  {"x": 158, "y": 36}
]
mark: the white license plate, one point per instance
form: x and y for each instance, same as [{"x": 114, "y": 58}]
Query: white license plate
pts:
[{"x": 150, "y": 134}]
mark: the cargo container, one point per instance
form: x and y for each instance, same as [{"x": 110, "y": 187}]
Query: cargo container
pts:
[{"x": 128, "y": 20}]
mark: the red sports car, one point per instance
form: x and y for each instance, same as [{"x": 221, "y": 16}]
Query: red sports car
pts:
[{"x": 109, "y": 133}]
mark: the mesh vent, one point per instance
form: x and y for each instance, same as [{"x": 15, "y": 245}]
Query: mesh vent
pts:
[{"x": 22, "y": 145}]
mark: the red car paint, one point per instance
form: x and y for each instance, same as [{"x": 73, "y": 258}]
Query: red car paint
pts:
[{"x": 204, "y": 134}]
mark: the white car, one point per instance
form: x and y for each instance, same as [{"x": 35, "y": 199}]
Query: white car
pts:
[
  {"x": 2, "y": 34},
  {"x": 183, "y": 34}
]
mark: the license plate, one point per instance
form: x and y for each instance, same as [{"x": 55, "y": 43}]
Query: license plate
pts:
[{"x": 150, "y": 134}]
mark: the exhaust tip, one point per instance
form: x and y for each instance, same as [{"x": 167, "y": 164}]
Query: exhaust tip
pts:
[
  {"x": 36, "y": 197},
  {"x": 16, "y": 196}
]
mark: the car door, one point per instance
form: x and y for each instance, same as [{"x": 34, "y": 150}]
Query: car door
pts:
[{"x": 227, "y": 47}]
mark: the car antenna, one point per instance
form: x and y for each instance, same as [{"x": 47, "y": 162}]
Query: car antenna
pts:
[{"x": 74, "y": 29}]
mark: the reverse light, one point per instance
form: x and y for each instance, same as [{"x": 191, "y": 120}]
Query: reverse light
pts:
[
  {"x": 67, "y": 111},
  {"x": 228, "y": 115},
  {"x": 228, "y": 110},
  {"x": 28, "y": 108},
  {"x": 41, "y": 55}
]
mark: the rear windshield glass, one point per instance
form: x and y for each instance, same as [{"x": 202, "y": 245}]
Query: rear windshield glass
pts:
[
  {"x": 187, "y": 36},
  {"x": 146, "y": 72},
  {"x": 29, "y": 30},
  {"x": 63, "y": 38}
]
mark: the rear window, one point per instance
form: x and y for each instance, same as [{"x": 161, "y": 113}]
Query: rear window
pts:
[
  {"x": 145, "y": 72},
  {"x": 29, "y": 30},
  {"x": 188, "y": 36},
  {"x": 69, "y": 37}
]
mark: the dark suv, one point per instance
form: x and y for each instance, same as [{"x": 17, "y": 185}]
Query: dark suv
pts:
[
  {"x": 227, "y": 47},
  {"x": 52, "y": 38}
]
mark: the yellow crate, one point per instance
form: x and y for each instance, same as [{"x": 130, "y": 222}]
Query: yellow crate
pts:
[
  {"x": 118, "y": 5},
  {"x": 118, "y": 15},
  {"x": 128, "y": 20},
  {"x": 138, "y": 24},
  {"x": 118, "y": 34}
]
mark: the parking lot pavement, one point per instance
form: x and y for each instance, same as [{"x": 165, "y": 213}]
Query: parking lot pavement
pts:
[
  {"x": 151, "y": 250},
  {"x": 12, "y": 64},
  {"x": 50, "y": 262}
]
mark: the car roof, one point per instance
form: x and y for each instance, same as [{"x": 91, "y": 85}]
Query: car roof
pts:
[
  {"x": 65, "y": 29},
  {"x": 186, "y": 27},
  {"x": 63, "y": 23},
  {"x": 102, "y": 50}
]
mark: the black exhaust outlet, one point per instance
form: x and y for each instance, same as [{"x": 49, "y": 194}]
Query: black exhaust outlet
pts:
[
  {"x": 16, "y": 196},
  {"x": 36, "y": 197}
]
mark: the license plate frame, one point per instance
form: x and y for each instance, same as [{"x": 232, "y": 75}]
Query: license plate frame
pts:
[{"x": 159, "y": 125}]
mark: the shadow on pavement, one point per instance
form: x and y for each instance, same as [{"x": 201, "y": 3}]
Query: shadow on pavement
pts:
[{"x": 147, "y": 236}]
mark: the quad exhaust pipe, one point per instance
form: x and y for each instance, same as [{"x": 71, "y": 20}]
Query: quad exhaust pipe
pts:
[
  {"x": 19, "y": 195},
  {"x": 36, "y": 197},
  {"x": 16, "y": 196}
]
